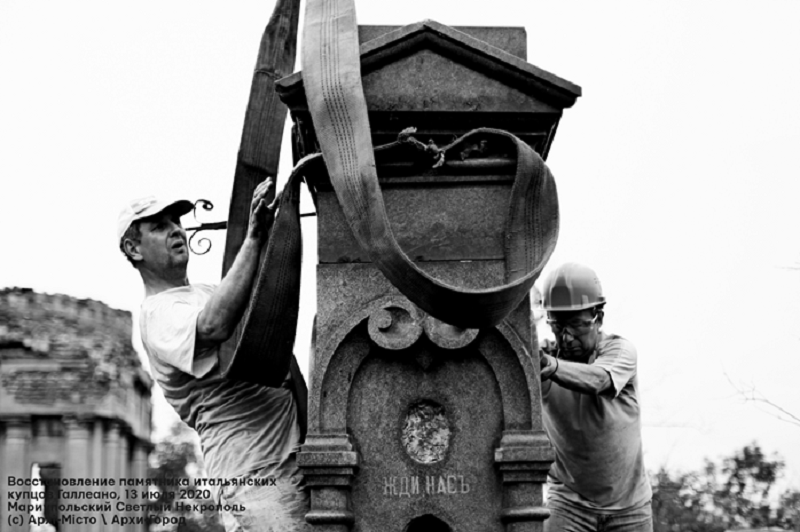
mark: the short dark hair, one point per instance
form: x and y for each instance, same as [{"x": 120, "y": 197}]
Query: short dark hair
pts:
[{"x": 134, "y": 233}]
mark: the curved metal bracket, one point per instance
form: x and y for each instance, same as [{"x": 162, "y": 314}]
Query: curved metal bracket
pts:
[{"x": 204, "y": 243}]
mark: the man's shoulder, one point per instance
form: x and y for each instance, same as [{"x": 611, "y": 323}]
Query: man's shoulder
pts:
[
  {"x": 193, "y": 295},
  {"x": 615, "y": 345},
  {"x": 615, "y": 341}
]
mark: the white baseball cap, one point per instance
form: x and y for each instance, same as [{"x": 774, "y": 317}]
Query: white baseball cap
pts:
[{"x": 149, "y": 206}]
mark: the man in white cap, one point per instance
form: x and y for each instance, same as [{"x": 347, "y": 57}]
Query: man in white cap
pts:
[
  {"x": 248, "y": 432},
  {"x": 591, "y": 413}
]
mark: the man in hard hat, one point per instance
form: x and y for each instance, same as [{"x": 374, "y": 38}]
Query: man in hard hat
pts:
[
  {"x": 591, "y": 413},
  {"x": 248, "y": 432}
]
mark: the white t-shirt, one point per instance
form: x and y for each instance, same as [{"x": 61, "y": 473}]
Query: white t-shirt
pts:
[
  {"x": 242, "y": 426},
  {"x": 599, "y": 462}
]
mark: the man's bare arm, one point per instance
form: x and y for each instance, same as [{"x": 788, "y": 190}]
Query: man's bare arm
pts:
[
  {"x": 583, "y": 378},
  {"x": 225, "y": 308}
]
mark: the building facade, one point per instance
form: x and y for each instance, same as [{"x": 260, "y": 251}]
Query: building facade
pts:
[{"x": 74, "y": 409}]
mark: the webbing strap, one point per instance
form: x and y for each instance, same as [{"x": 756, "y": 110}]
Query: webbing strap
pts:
[
  {"x": 332, "y": 81},
  {"x": 260, "y": 147},
  {"x": 260, "y": 349}
]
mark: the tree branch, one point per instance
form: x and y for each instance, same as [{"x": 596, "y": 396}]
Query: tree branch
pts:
[{"x": 752, "y": 395}]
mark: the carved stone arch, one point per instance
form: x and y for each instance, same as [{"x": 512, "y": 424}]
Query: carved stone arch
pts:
[
  {"x": 394, "y": 323},
  {"x": 520, "y": 384},
  {"x": 335, "y": 386},
  {"x": 497, "y": 360},
  {"x": 357, "y": 348}
]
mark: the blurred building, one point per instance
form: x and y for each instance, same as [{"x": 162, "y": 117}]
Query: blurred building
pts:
[{"x": 74, "y": 399}]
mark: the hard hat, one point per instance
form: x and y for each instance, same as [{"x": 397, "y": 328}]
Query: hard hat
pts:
[{"x": 572, "y": 287}]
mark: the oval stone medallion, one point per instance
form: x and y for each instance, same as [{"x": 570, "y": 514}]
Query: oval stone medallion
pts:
[{"x": 426, "y": 432}]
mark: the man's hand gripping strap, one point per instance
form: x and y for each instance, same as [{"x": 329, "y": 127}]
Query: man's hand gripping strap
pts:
[{"x": 260, "y": 350}]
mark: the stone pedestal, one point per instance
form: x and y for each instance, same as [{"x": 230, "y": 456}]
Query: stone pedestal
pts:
[{"x": 416, "y": 425}]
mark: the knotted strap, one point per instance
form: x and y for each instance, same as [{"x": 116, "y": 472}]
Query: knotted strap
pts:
[{"x": 332, "y": 81}]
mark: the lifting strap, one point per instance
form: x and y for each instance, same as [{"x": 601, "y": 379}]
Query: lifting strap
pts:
[
  {"x": 332, "y": 81},
  {"x": 262, "y": 343},
  {"x": 260, "y": 147}
]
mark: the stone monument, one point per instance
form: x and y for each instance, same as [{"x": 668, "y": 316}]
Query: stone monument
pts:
[
  {"x": 416, "y": 425},
  {"x": 75, "y": 400}
]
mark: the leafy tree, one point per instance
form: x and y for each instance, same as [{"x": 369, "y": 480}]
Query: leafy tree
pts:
[
  {"x": 788, "y": 514},
  {"x": 749, "y": 479},
  {"x": 723, "y": 497},
  {"x": 685, "y": 503},
  {"x": 177, "y": 456}
]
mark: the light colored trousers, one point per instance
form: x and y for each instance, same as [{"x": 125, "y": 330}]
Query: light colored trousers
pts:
[
  {"x": 568, "y": 518},
  {"x": 269, "y": 508}
]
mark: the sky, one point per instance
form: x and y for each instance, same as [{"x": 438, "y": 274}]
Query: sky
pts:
[{"x": 677, "y": 173}]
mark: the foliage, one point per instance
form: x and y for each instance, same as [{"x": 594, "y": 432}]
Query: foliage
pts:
[
  {"x": 177, "y": 456},
  {"x": 684, "y": 503},
  {"x": 750, "y": 476},
  {"x": 788, "y": 514},
  {"x": 730, "y": 496}
]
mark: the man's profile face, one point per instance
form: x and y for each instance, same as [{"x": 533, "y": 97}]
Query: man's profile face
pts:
[
  {"x": 163, "y": 244},
  {"x": 576, "y": 332}
]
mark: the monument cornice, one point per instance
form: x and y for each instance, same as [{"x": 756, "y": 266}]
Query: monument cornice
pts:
[{"x": 459, "y": 45}]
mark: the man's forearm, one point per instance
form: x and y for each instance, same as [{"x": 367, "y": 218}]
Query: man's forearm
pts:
[
  {"x": 583, "y": 378},
  {"x": 225, "y": 308}
]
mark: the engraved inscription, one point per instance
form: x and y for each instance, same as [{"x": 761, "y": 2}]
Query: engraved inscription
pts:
[{"x": 408, "y": 486}]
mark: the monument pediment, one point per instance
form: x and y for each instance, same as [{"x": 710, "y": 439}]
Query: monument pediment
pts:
[
  {"x": 457, "y": 62},
  {"x": 446, "y": 81}
]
